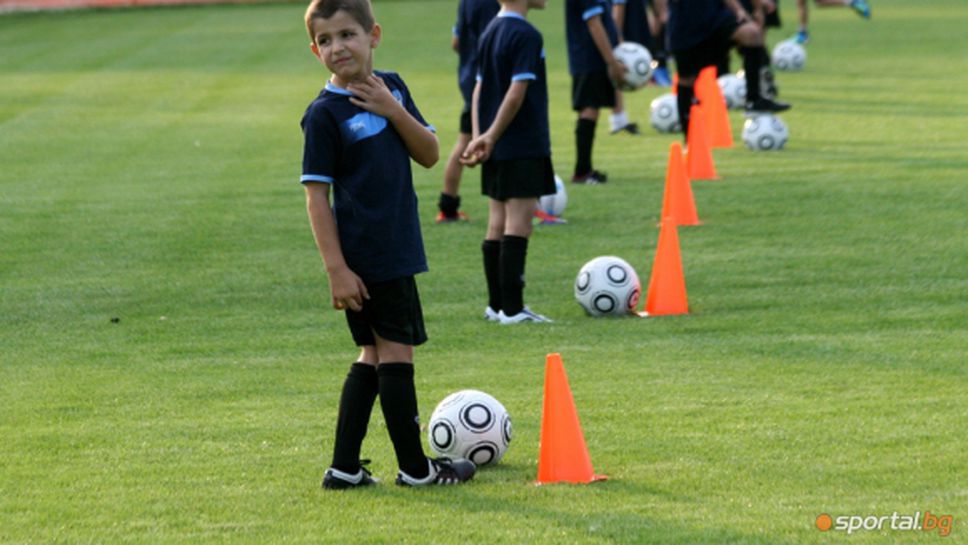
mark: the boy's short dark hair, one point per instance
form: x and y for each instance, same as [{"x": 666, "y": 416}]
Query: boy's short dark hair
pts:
[{"x": 360, "y": 10}]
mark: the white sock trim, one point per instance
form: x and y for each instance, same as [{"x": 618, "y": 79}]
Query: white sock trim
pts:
[{"x": 429, "y": 479}]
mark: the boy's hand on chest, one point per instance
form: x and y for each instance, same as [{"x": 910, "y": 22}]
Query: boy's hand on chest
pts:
[{"x": 373, "y": 95}]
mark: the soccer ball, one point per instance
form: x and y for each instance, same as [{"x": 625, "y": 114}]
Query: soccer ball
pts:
[
  {"x": 789, "y": 56},
  {"x": 734, "y": 90},
  {"x": 607, "y": 286},
  {"x": 470, "y": 424},
  {"x": 638, "y": 60},
  {"x": 664, "y": 114},
  {"x": 765, "y": 132},
  {"x": 555, "y": 203}
]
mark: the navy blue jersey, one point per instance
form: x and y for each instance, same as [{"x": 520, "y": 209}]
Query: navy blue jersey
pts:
[
  {"x": 368, "y": 165},
  {"x": 513, "y": 50},
  {"x": 635, "y": 28},
  {"x": 472, "y": 18},
  {"x": 583, "y": 56},
  {"x": 693, "y": 21}
]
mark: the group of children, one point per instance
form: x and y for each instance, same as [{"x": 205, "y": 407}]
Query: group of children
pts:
[{"x": 364, "y": 128}]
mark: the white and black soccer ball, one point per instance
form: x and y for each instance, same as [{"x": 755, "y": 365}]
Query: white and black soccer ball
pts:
[
  {"x": 664, "y": 113},
  {"x": 789, "y": 56},
  {"x": 733, "y": 88},
  {"x": 607, "y": 286},
  {"x": 555, "y": 203},
  {"x": 470, "y": 424},
  {"x": 765, "y": 132},
  {"x": 638, "y": 60}
]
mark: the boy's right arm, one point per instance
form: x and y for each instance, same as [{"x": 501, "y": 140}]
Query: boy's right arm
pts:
[
  {"x": 346, "y": 288},
  {"x": 596, "y": 28}
]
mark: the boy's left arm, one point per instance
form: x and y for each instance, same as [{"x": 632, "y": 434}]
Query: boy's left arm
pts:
[
  {"x": 480, "y": 148},
  {"x": 374, "y": 96}
]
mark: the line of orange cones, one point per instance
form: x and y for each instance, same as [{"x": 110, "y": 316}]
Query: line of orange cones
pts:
[{"x": 563, "y": 454}]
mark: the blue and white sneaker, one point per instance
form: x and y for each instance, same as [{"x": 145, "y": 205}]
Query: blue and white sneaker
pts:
[
  {"x": 335, "y": 479},
  {"x": 861, "y": 7},
  {"x": 801, "y": 37},
  {"x": 491, "y": 315},
  {"x": 660, "y": 76},
  {"x": 443, "y": 471},
  {"x": 526, "y": 315}
]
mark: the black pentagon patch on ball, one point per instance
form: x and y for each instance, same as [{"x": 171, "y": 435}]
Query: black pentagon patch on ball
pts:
[
  {"x": 442, "y": 434},
  {"x": 477, "y": 417},
  {"x": 617, "y": 275}
]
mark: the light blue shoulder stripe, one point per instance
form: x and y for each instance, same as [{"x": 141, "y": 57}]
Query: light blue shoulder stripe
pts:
[
  {"x": 338, "y": 90},
  {"x": 315, "y": 178},
  {"x": 524, "y": 76},
  {"x": 597, "y": 10}
]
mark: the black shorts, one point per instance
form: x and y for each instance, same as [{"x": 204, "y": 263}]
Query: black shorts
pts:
[
  {"x": 771, "y": 19},
  {"x": 709, "y": 52},
  {"x": 594, "y": 90},
  {"x": 517, "y": 178},
  {"x": 465, "y": 122},
  {"x": 392, "y": 311}
]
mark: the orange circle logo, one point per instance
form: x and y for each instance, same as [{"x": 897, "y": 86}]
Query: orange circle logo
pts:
[{"x": 824, "y": 522}]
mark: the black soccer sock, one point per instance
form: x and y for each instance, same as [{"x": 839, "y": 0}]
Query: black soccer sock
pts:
[
  {"x": 584, "y": 140},
  {"x": 355, "y": 405},
  {"x": 754, "y": 59},
  {"x": 514, "y": 252},
  {"x": 684, "y": 101},
  {"x": 492, "y": 272},
  {"x": 449, "y": 204},
  {"x": 398, "y": 399}
]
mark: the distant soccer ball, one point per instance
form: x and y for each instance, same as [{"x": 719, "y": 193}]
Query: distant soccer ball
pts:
[
  {"x": 638, "y": 60},
  {"x": 664, "y": 114},
  {"x": 470, "y": 424},
  {"x": 765, "y": 132},
  {"x": 734, "y": 90},
  {"x": 607, "y": 286},
  {"x": 789, "y": 56},
  {"x": 555, "y": 203}
]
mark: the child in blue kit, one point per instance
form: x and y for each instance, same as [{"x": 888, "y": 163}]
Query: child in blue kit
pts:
[
  {"x": 512, "y": 140},
  {"x": 596, "y": 74},
  {"x": 473, "y": 17},
  {"x": 360, "y": 135}
]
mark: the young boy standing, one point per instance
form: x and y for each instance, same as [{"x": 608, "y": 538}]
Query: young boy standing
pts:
[
  {"x": 472, "y": 18},
  {"x": 700, "y": 33},
  {"x": 512, "y": 139},
  {"x": 595, "y": 76},
  {"x": 360, "y": 134}
]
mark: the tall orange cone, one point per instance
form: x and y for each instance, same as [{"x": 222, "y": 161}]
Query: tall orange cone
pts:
[
  {"x": 563, "y": 456},
  {"x": 678, "y": 201},
  {"x": 714, "y": 106},
  {"x": 667, "y": 286},
  {"x": 699, "y": 159}
]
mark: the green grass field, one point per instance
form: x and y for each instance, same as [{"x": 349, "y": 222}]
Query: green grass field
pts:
[{"x": 149, "y": 162}]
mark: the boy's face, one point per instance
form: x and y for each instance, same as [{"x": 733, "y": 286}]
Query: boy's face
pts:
[{"x": 344, "y": 47}]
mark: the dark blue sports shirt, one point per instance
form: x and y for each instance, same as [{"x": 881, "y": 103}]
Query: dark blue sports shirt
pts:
[
  {"x": 636, "y": 25},
  {"x": 472, "y": 18},
  {"x": 513, "y": 50},
  {"x": 368, "y": 165},
  {"x": 691, "y": 22},
  {"x": 583, "y": 56}
]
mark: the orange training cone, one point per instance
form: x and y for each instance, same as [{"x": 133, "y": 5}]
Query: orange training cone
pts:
[
  {"x": 675, "y": 82},
  {"x": 563, "y": 456},
  {"x": 678, "y": 201},
  {"x": 699, "y": 159},
  {"x": 667, "y": 286},
  {"x": 714, "y": 106}
]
